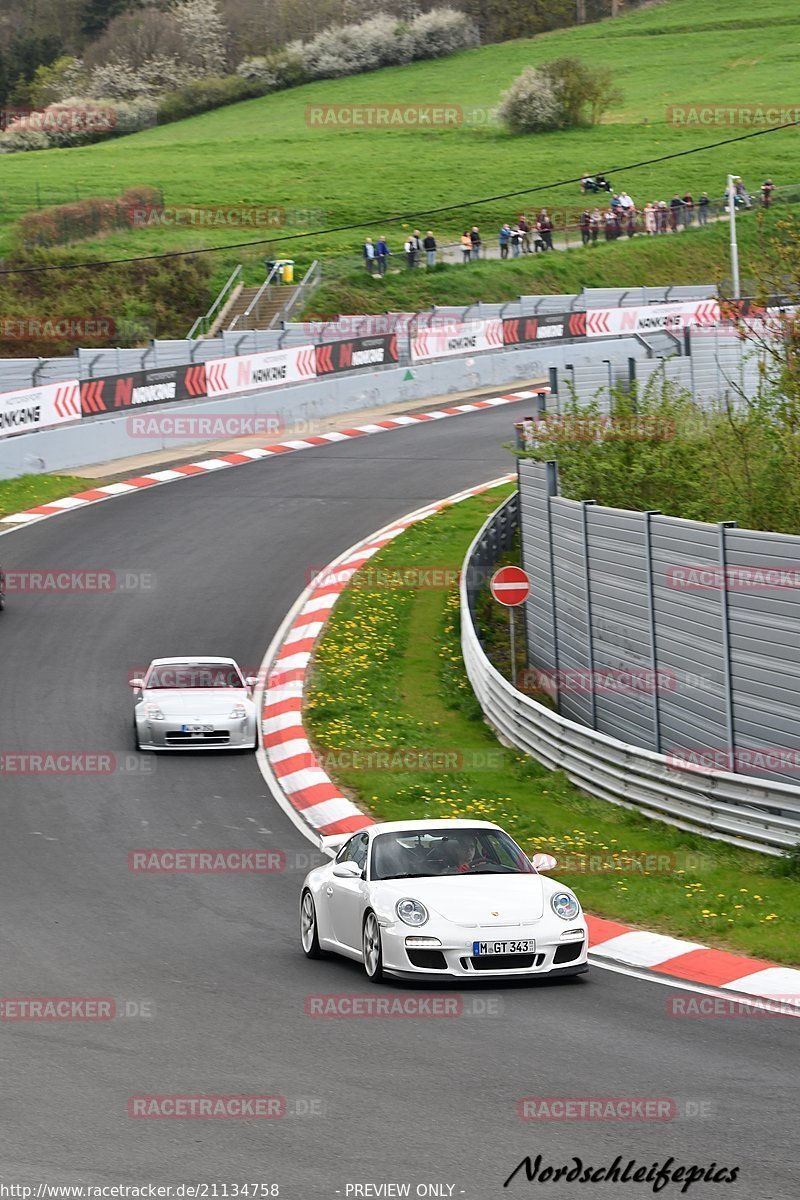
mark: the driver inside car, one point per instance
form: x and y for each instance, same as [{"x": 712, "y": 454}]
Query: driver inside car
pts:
[{"x": 463, "y": 854}]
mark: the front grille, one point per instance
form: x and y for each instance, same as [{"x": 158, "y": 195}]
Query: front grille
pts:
[
  {"x": 217, "y": 737},
  {"x": 427, "y": 960},
  {"x": 568, "y": 953},
  {"x": 504, "y": 962}
]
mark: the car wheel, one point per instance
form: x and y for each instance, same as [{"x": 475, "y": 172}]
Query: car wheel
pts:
[
  {"x": 309, "y": 936},
  {"x": 372, "y": 950}
]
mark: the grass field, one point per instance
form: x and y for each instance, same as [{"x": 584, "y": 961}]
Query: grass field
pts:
[
  {"x": 263, "y": 152},
  {"x": 388, "y": 676},
  {"x": 30, "y": 490}
]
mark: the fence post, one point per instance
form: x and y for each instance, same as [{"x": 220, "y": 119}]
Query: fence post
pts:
[
  {"x": 551, "y": 493},
  {"x": 587, "y": 583},
  {"x": 651, "y": 622},
  {"x": 726, "y": 641}
]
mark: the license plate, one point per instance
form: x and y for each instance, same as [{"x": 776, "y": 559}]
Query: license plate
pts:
[
  {"x": 198, "y": 729},
  {"x": 526, "y": 946}
]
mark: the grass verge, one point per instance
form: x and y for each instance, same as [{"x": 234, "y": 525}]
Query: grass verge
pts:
[
  {"x": 29, "y": 490},
  {"x": 388, "y": 678}
]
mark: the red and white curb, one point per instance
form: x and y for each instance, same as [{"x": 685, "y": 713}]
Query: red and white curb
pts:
[
  {"x": 240, "y": 458},
  {"x": 314, "y": 803},
  {"x": 309, "y": 796}
]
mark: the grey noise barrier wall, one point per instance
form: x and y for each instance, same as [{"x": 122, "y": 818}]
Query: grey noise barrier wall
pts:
[{"x": 604, "y": 742}]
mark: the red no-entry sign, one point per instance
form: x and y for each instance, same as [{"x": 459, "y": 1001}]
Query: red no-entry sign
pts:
[{"x": 510, "y": 586}]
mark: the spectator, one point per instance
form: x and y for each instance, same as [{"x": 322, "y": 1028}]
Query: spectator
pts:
[
  {"x": 545, "y": 227},
  {"x": 702, "y": 209},
  {"x": 595, "y": 221},
  {"x": 625, "y": 202},
  {"x": 411, "y": 247},
  {"x": 650, "y": 217},
  {"x": 382, "y": 253},
  {"x": 742, "y": 195},
  {"x": 629, "y": 218},
  {"x": 615, "y": 202},
  {"x": 610, "y": 226},
  {"x": 466, "y": 245},
  {"x": 663, "y": 216},
  {"x": 586, "y": 226},
  {"x": 587, "y": 183},
  {"x": 525, "y": 230},
  {"x": 475, "y": 240},
  {"x": 601, "y": 184},
  {"x": 688, "y": 209},
  {"x": 505, "y": 238},
  {"x": 538, "y": 239},
  {"x": 368, "y": 250},
  {"x": 516, "y": 241},
  {"x": 429, "y": 246},
  {"x": 767, "y": 188},
  {"x": 675, "y": 207}
]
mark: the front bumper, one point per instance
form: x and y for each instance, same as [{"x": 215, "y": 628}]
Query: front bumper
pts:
[
  {"x": 557, "y": 951},
  {"x": 168, "y": 735}
]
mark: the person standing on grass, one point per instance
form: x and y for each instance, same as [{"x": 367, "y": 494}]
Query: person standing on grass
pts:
[
  {"x": 650, "y": 211},
  {"x": 382, "y": 253},
  {"x": 429, "y": 246},
  {"x": 516, "y": 241},
  {"x": 475, "y": 241},
  {"x": 504, "y": 239},
  {"x": 702, "y": 209},
  {"x": 586, "y": 226},
  {"x": 545, "y": 227},
  {"x": 466, "y": 245},
  {"x": 688, "y": 209},
  {"x": 767, "y": 188},
  {"x": 595, "y": 221},
  {"x": 525, "y": 230},
  {"x": 663, "y": 216},
  {"x": 675, "y": 206},
  {"x": 630, "y": 221},
  {"x": 368, "y": 251}
]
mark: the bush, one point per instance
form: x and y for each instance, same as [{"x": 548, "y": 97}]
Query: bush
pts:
[
  {"x": 205, "y": 94},
  {"x": 562, "y": 94},
  {"x": 440, "y": 32},
  {"x": 76, "y": 122},
  {"x": 530, "y": 105},
  {"x": 63, "y": 223},
  {"x": 383, "y": 41}
]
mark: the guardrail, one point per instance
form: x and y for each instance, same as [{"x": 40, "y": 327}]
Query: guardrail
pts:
[{"x": 750, "y": 813}]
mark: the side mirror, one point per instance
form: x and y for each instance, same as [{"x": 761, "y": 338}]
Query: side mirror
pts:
[
  {"x": 251, "y": 681},
  {"x": 544, "y": 862},
  {"x": 136, "y": 684},
  {"x": 348, "y": 870}
]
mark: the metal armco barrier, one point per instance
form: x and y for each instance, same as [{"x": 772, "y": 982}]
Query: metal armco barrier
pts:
[{"x": 755, "y": 814}]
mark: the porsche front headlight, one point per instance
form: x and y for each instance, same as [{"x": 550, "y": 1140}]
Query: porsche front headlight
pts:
[
  {"x": 565, "y": 906},
  {"x": 411, "y": 912}
]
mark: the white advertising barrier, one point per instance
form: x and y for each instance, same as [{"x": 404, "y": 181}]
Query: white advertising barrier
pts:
[
  {"x": 457, "y": 337},
  {"x": 616, "y": 322},
  {"x": 39, "y": 407},
  {"x": 256, "y": 371}
]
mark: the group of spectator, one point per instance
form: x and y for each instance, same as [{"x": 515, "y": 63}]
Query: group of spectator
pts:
[{"x": 619, "y": 218}]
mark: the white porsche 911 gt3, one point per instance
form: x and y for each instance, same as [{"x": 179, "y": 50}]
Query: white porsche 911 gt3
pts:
[{"x": 442, "y": 898}]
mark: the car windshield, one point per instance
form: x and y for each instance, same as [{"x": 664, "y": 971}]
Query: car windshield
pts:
[
  {"x": 423, "y": 853},
  {"x": 194, "y": 675}
]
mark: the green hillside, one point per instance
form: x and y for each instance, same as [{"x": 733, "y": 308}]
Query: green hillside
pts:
[{"x": 263, "y": 152}]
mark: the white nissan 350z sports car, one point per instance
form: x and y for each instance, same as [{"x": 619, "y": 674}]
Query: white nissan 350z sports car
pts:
[
  {"x": 194, "y": 704},
  {"x": 442, "y": 898}
]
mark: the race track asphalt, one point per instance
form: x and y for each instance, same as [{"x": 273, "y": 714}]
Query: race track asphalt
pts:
[{"x": 216, "y": 959}]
